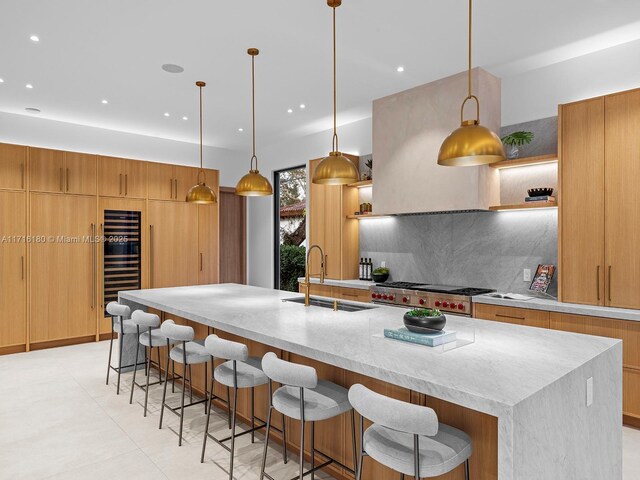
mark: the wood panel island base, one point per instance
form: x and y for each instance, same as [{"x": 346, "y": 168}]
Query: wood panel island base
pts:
[{"x": 519, "y": 392}]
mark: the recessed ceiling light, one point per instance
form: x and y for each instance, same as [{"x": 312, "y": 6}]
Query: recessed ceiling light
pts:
[
  {"x": 28, "y": 85},
  {"x": 241, "y": 129},
  {"x": 400, "y": 69},
  {"x": 1, "y": 80},
  {"x": 290, "y": 110},
  {"x": 302, "y": 105},
  {"x": 32, "y": 110},
  {"x": 34, "y": 38},
  {"x": 105, "y": 101},
  {"x": 172, "y": 68},
  {"x": 166, "y": 114},
  {"x": 185, "y": 118}
]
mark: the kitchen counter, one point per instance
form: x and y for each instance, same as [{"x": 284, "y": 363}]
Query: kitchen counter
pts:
[
  {"x": 359, "y": 284},
  {"x": 551, "y": 305},
  {"x": 533, "y": 380}
]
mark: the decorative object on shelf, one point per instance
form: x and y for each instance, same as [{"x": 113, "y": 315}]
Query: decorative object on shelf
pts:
[
  {"x": 540, "y": 192},
  {"x": 542, "y": 278},
  {"x": 515, "y": 140},
  {"x": 471, "y": 144},
  {"x": 381, "y": 274},
  {"x": 253, "y": 184},
  {"x": 201, "y": 193},
  {"x": 365, "y": 208},
  {"x": 336, "y": 169},
  {"x": 369, "y": 165},
  {"x": 424, "y": 320}
]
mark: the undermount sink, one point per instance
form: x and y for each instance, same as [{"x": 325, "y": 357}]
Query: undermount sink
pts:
[{"x": 321, "y": 302}]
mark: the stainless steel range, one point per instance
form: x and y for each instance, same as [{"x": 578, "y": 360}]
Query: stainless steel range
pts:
[{"x": 447, "y": 298}]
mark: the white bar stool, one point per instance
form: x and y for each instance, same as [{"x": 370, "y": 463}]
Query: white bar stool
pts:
[
  {"x": 188, "y": 353},
  {"x": 150, "y": 339},
  {"x": 407, "y": 437},
  {"x": 239, "y": 371},
  {"x": 303, "y": 397},
  {"x": 121, "y": 325}
]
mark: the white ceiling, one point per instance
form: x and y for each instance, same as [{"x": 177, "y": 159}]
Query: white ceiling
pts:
[{"x": 91, "y": 50}]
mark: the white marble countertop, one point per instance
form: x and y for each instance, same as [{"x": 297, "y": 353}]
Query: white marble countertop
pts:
[
  {"x": 561, "y": 307},
  {"x": 505, "y": 365},
  {"x": 533, "y": 380},
  {"x": 359, "y": 284}
]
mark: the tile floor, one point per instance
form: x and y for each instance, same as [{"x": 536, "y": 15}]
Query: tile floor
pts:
[{"x": 58, "y": 420}]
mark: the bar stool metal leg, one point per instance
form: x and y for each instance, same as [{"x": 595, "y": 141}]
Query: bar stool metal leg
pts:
[
  {"x": 301, "y": 433},
  {"x": 313, "y": 450},
  {"x": 190, "y": 384},
  {"x": 229, "y": 406},
  {"x": 466, "y": 469},
  {"x": 233, "y": 427},
  {"x": 184, "y": 387},
  {"x": 416, "y": 456},
  {"x": 206, "y": 428},
  {"x": 110, "y": 351},
  {"x": 253, "y": 414},
  {"x": 164, "y": 390},
  {"x": 173, "y": 372},
  {"x": 284, "y": 439},
  {"x": 206, "y": 404},
  {"x": 135, "y": 368},
  {"x": 266, "y": 438},
  {"x": 146, "y": 390},
  {"x": 361, "y": 454},
  {"x": 353, "y": 439},
  {"x": 120, "y": 359}
]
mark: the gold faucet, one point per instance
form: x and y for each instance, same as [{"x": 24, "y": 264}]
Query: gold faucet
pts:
[{"x": 307, "y": 283}]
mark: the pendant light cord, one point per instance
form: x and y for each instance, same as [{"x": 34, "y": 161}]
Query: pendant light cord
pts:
[
  {"x": 470, "y": 21},
  {"x": 335, "y": 88},
  {"x": 201, "y": 168},
  {"x": 253, "y": 111}
]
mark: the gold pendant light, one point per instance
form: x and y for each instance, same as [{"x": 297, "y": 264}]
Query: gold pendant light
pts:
[
  {"x": 336, "y": 169},
  {"x": 253, "y": 184},
  {"x": 201, "y": 193},
  {"x": 471, "y": 144}
]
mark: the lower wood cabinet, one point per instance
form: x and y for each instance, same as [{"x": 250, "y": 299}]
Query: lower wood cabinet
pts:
[
  {"x": 341, "y": 293},
  {"x": 63, "y": 268},
  {"x": 13, "y": 274},
  {"x": 518, "y": 316}
]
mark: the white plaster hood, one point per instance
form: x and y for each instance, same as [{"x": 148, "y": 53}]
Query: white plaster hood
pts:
[{"x": 408, "y": 129}]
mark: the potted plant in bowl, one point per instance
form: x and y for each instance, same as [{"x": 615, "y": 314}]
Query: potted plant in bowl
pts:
[
  {"x": 424, "y": 320},
  {"x": 515, "y": 140},
  {"x": 380, "y": 274}
]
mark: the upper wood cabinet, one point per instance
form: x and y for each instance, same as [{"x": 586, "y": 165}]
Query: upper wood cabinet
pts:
[
  {"x": 170, "y": 182},
  {"x": 599, "y": 259},
  {"x": 119, "y": 177},
  {"x": 187, "y": 177},
  {"x": 581, "y": 180},
  {"x": 329, "y": 227},
  {"x": 622, "y": 203},
  {"x": 55, "y": 171},
  {"x": 13, "y": 275},
  {"x": 13, "y": 166}
]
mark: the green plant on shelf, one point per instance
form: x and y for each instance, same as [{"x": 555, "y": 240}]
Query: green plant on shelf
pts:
[
  {"x": 518, "y": 139},
  {"x": 424, "y": 312}
]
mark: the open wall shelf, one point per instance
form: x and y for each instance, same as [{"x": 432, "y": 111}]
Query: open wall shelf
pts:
[{"x": 526, "y": 161}]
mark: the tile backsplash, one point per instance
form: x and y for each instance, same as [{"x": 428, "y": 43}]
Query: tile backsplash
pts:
[{"x": 479, "y": 249}]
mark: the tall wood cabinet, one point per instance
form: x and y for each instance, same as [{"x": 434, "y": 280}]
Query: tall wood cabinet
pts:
[
  {"x": 599, "y": 201},
  {"x": 63, "y": 267},
  {"x": 13, "y": 275},
  {"x": 330, "y": 228}
]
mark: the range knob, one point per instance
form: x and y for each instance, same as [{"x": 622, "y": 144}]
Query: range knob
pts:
[
  {"x": 405, "y": 299},
  {"x": 384, "y": 296},
  {"x": 460, "y": 306},
  {"x": 422, "y": 301},
  {"x": 390, "y": 297},
  {"x": 437, "y": 304},
  {"x": 373, "y": 295},
  {"x": 379, "y": 296},
  {"x": 445, "y": 304}
]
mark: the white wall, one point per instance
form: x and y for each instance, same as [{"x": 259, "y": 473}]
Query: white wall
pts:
[
  {"x": 354, "y": 138},
  {"x": 40, "y": 132}
]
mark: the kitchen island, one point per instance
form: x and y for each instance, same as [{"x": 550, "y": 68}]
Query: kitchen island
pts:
[{"x": 526, "y": 388}]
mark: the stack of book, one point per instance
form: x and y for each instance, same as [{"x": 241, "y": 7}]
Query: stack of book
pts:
[{"x": 542, "y": 198}]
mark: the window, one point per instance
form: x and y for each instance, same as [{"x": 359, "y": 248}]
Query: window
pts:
[{"x": 290, "y": 191}]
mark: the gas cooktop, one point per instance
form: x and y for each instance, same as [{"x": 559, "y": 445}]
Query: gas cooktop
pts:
[{"x": 451, "y": 289}]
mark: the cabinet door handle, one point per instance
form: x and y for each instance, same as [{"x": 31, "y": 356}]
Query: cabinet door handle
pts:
[
  {"x": 151, "y": 256},
  {"x": 22, "y": 175},
  {"x": 176, "y": 182},
  {"x": 171, "y": 187},
  {"x": 509, "y": 316},
  {"x": 126, "y": 184},
  {"x": 93, "y": 266},
  {"x": 200, "y": 261},
  {"x": 609, "y": 284},
  {"x": 598, "y": 281},
  {"x": 120, "y": 184},
  {"x": 67, "y": 179},
  {"x": 22, "y": 267},
  {"x": 61, "y": 181}
]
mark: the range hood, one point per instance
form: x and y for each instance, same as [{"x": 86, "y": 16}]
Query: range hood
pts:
[{"x": 408, "y": 129}]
